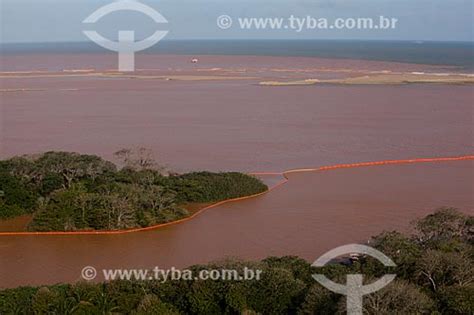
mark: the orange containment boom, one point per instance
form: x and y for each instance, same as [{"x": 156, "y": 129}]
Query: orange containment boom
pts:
[{"x": 322, "y": 168}]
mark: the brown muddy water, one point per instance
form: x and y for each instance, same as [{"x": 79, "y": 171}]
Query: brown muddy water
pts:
[
  {"x": 229, "y": 125},
  {"x": 238, "y": 125},
  {"x": 311, "y": 213}
]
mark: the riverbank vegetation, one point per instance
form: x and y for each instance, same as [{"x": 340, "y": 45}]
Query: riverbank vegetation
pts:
[
  {"x": 435, "y": 275},
  {"x": 66, "y": 191}
]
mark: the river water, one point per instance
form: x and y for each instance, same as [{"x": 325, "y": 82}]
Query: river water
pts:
[{"x": 237, "y": 125}]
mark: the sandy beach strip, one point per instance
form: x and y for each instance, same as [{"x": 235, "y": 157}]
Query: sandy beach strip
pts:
[{"x": 393, "y": 78}]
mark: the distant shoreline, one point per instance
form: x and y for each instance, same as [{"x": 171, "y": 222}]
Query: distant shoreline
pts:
[
  {"x": 458, "y": 54},
  {"x": 377, "y": 79},
  {"x": 296, "y": 77}
]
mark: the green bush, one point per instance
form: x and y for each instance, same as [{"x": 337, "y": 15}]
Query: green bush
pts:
[
  {"x": 207, "y": 187},
  {"x": 16, "y": 198},
  {"x": 70, "y": 191},
  {"x": 122, "y": 206},
  {"x": 457, "y": 299}
]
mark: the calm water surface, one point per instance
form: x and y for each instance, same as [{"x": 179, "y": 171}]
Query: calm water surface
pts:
[
  {"x": 238, "y": 125},
  {"x": 310, "y": 214}
]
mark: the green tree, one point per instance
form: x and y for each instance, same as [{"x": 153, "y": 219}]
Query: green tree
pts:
[
  {"x": 399, "y": 297},
  {"x": 71, "y": 166},
  {"x": 443, "y": 225},
  {"x": 44, "y": 301},
  {"x": 319, "y": 300},
  {"x": 274, "y": 293},
  {"x": 403, "y": 250},
  {"x": 457, "y": 300},
  {"x": 138, "y": 159},
  {"x": 15, "y": 197},
  {"x": 152, "y": 305},
  {"x": 440, "y": 269}
]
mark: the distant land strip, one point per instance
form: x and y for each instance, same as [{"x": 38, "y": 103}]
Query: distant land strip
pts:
[{"x": 387, "y": 79}]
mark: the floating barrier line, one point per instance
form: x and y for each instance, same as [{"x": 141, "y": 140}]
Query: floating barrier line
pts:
[{"x": 283, "y": 181}]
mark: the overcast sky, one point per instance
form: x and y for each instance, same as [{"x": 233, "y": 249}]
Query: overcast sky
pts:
[{"x": 61, "y": 20}]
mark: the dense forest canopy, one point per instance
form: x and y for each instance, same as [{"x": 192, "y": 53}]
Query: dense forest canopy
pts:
[
  {"x": 435, "y": 275},
  {"x": 66, "y": 191}
]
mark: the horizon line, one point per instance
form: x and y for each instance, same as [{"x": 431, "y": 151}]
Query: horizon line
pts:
[{"x": 261, "y": 39}]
